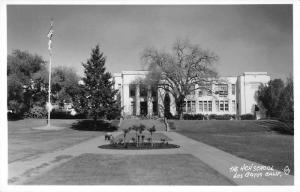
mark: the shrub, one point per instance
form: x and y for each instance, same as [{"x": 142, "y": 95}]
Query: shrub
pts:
[
  {"x": 14, "y": 116},
  {"x": 221, "y": 117},
  {"x": 193, "y": 117},
  {"x": 59, "y": 114},
  {"x": 248, "y": 116},
  {"x": 37, "y": 112}
]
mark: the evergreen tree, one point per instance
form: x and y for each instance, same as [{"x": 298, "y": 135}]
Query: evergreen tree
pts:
[{"x": 97, "y": 97}]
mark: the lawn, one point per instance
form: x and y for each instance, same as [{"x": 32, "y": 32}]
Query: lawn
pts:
[
  {"x": 24, "y": 142},
  {"x": 95, "y": 169},
  {"x": 245, "y": 139}
]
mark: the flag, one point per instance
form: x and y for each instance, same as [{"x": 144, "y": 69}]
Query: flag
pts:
[{"x": 50, "y": 35}]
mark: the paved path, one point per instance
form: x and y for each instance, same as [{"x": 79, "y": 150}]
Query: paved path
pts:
[{"x": 23, "y": 171}]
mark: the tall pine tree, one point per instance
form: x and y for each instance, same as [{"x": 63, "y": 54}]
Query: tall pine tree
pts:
[{"x": 97, "y": 97}]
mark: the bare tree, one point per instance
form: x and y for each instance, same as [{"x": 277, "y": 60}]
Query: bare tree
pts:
[{"x": 183, "y": 71}]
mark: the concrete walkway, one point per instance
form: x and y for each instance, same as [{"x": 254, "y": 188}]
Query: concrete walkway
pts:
[{"x": 23, "y": 171}]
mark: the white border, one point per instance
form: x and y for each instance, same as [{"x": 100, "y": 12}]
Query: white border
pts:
[{"x": 3, "y": 88}]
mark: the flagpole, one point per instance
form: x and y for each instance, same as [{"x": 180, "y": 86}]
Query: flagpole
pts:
[
  {"x": 49, "y": 89},
  {"x": 50, "y": 34}
]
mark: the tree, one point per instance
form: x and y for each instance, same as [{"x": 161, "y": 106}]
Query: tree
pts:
[
  {"x": 269, "y": 96},
  {"x": 27, "y": 81},
  {"x": 64, "y": 84},
  {"x": 96, "y": 96},
  {"x": 181, "y": 72},
  {"x": 286, "y": 101}
]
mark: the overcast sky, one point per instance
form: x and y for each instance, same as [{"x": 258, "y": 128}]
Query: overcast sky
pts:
[{"x": 245, "y": 37}]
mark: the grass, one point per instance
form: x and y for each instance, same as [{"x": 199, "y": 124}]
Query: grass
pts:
[
  {"x": 245, "y": 139},
  {"x": 95, "y": 169},
  {"x": 24, "y": 142}
]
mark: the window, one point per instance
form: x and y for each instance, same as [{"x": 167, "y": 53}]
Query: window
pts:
[
  {"x": 184, "y": 106},
  {"x": 209, "y": 105},
  {"x": 188, "y": 106},
  {"x": 192, "y": 88},
  {"x": 132, "y": 90},
  {"x": 154, "y": 104},
  {"x": 205, "y": 105},
  {"x": 200, "y": 93},
  {"x": 193, "y": 106},
  {"x": 201, "y": 106},
  {"x": 221, "y": 105},
  {"x": 132, "y": 107},
  {"x": 222, "y": 89},
  {"x": 233, "y": 105},
  {"x": 233, "y": 89},
  {"x": 153, "y": 91},
  {"x": 226, "y": 106},
  {"x": 143, "y": 90},
  {"x": 217, "y": 105}
]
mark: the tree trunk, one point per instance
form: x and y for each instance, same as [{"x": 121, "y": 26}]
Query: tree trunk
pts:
[
  {"x": 166, "y": 123},
  {"x": 95, "y": 121},
  {"x": 124, "y": 139},
  {"x": 179, "y": 103},
  {"x": 151, "y": 140}
]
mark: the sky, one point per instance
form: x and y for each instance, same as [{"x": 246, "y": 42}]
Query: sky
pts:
[{"x": 247, "y": 38}]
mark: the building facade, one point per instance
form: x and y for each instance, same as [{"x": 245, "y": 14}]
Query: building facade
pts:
[{"x": 235, "y": 96}]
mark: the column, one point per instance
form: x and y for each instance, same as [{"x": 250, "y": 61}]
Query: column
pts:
[
  {"x": 160, "y": 102},
  {"x": 125, "y": 100},
  {"x": 137, "y": 99},
  {"x": 149, "y": 102}
]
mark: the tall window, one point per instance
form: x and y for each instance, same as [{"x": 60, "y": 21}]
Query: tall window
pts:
[
  {"x": 193, "y": 106},
  {"x": 132, "y": 90},
  {"x": 132, "y": 107},
  {"x": 233, "y": 89},
  {"x": 217, "y": 105},
  {"x": 233, "y": 105},
  {"x": 201, "y": 106},
  {"x": 209, "y": 105},
  {"x": 205, "y": 105},
  {"x": 184, "y": 106},
  {"x": 226, "y": 106},
  {"x": 143, "y": 90},
  {"x": 188, "y": 106},
  {"x": 153, "y": 91},
  {"x": 221, "y": 105}
]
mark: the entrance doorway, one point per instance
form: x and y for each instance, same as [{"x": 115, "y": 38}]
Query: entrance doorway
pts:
[{"x": 144, "y": 108}]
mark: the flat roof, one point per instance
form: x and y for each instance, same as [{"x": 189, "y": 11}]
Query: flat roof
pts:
[
  {"x": 138, "y": 72},
  {"x": 255, "y": 73}
]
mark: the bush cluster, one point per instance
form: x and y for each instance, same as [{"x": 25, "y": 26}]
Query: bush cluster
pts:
[
  {"x": 203, "y": 117},
  {"x": 248, "y": 116},
  {"x": 59, "y": 114},
  {"x": 194, "y": 117},
  {"x": 221, "y": 117}
]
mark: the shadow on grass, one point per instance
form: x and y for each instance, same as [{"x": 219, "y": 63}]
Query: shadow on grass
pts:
[
  {"x": 90, "y": 125},
  {"x": 285, "y": 128}
]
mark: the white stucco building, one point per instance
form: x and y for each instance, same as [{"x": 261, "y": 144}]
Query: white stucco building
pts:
[{"x": 236, "y": 96}]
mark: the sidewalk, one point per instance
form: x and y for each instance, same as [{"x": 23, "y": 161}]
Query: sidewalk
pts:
[{"x": 22, "y": 171}]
